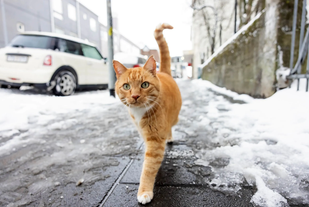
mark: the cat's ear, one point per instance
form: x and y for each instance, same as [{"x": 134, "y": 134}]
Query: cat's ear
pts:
[
  {"x": 119, "y": 68},
  {"x": 151, "y": 66}
]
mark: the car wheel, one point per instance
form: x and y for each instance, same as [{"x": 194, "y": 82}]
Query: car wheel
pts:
[{"x": 65, "y": 84}]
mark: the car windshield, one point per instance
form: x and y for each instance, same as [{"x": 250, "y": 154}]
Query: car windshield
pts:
[{"x": 33, "y": 41}]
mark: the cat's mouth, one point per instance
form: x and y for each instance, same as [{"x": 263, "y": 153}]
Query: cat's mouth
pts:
[{"x": 133, "y": 103}]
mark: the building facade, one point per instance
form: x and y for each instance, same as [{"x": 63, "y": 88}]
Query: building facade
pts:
[
  {"x": 67, "y": 17},
  {"x": 149, "y": 52},
  {"x": 121, "y": 43}
]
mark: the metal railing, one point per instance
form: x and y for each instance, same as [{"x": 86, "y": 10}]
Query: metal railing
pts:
[{"x": 295, "y": 72}]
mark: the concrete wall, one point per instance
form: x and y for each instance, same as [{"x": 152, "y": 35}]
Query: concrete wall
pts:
[
  {"x": 121, "y": 43},
  {"x": 33, "y": 14},
  {"x": 86, "y": 32},
  {"x": 36, "y": 15},
  {"x": 84, "y": 15},
  {"x": 200, "y": 39},
  {"x": 66, "y": 24},
  {"x": 248, "y": 64}
]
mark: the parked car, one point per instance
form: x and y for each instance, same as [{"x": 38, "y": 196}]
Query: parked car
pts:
[
  {"x": 54, "y": 62},
  {"x": 130, "y": 60}
]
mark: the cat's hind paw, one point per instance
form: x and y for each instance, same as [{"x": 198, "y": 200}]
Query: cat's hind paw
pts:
[
  {"x": 170, "y": 140},
  {"x": 145, "y": 197}
]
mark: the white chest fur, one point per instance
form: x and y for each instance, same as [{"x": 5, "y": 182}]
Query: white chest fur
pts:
[{"x": 138, "y": 113}]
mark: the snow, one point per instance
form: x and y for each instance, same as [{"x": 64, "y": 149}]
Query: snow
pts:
[
  {"x": 19, "y": 109},
  {"x": 266, "y": 141}
]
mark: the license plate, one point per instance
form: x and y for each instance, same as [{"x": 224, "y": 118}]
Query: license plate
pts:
[{"x": 17, "y": 58}]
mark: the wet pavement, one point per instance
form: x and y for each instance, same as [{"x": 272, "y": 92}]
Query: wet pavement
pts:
[{"x": 93, "y": 157}]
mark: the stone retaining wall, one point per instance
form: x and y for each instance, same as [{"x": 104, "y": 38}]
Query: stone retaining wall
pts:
[{"x": 248, "y": 64}]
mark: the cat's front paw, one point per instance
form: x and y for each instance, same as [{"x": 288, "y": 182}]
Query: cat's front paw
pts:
[{"x": 145, "y": 197}]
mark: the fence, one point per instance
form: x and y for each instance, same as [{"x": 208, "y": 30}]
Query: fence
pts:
[{"x": 295, "y": 72}]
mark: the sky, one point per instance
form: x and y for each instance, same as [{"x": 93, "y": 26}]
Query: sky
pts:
[{"x": 137, "y": 20}]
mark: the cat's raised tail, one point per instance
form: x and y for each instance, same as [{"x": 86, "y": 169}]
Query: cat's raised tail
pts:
[{"x": 165, "y": 58}]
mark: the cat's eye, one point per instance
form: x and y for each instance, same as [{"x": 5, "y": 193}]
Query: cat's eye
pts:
[
  {"x": 126, "y": 86},
  {"x": 145, "y": 85}
]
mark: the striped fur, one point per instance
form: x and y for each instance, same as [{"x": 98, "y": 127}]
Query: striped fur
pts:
[
  {"x": 154, "y": 112},
  {"x": 165, "y": 58}
]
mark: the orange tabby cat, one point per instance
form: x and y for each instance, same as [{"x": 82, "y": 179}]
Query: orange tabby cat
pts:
[{"x": 154, "y": 102}]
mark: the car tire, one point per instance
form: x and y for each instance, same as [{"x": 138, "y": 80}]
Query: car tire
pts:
[{"x": 65, "y": 83}]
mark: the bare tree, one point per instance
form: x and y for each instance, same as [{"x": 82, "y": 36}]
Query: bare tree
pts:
[
  {"x": 207, "y": 21},
  {"x": 246, "y": 8},
  {"x": 210, "y": 17}
]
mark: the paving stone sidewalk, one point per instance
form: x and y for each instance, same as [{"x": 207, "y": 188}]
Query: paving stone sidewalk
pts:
[
  {"x": 179, "y": 183},
  {"x": 95, "y": 159}
]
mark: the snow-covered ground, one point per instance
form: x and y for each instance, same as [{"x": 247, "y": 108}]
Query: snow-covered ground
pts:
[
  {"x": 268, "y": 144},
  {"x": 265, "y": 141},
  {"x": 17, "y": 107},
  {"x": 23, "y": 111}
]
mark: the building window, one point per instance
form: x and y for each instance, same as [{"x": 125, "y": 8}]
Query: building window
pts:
[
  {"x": 72, "y": 12},
  {"x": 93, "y": 24},
  {"x": 85, "y": 16},
  {"x": 20, "y": 27},
  {"x": 58, "y": 16},
  {"x": 57, "y": 7}
]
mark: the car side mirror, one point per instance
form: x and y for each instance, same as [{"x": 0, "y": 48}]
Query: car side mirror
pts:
[{"x": 105, "y": 60}]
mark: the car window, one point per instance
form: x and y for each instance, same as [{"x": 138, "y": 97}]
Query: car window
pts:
[
  {"x": 141, "y": 61},
  {"x": 33, "y": 41},
  {"x": 69, "y": 47},
  {"x": 91, "y": 52}
]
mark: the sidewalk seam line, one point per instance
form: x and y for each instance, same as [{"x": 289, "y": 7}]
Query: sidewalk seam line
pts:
[{"x": 118, "y": 180}]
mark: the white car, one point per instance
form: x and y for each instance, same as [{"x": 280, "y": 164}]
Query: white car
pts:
[{"x": 54, "y": 62}]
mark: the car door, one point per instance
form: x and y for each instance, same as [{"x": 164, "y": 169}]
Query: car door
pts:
[
  {"x": 97, "y": 72},
  {"x": 72, "y": 56}
]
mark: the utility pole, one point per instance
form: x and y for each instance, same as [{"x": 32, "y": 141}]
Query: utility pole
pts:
[
  {"x": 112, "y": 74},
  {"x": 235, "y": 18}
]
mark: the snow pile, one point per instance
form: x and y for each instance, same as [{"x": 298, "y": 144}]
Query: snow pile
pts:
[
  {"x": 266, "y": 141},
  {"x": 19, "y": 109}
]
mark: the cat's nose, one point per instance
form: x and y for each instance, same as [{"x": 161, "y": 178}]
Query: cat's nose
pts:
[{"x": 135, "y": 97}]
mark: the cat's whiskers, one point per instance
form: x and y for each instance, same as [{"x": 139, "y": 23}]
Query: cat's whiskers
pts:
[
  {"x": 124, "y": 101},
  {"x": 148, "y": 107},
  {"x": 147, "y": 114},
  {"x": 153, "y": 112},
  {"x": 155, "y": 102}
]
